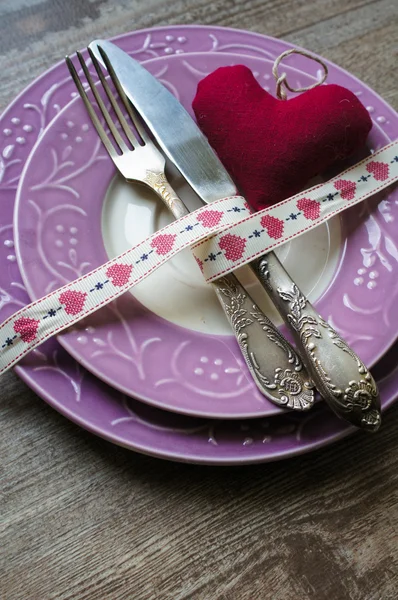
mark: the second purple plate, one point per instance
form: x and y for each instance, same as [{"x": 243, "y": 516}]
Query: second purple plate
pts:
[{"x": 85, "y": 400}]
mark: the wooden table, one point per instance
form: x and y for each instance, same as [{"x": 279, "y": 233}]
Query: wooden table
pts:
[{"x": 83, "y": 519}]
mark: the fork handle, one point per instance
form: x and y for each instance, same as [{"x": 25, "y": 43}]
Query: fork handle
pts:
[
  {"x": 338, "y": 373},
  {"x": 273, "y": 363},
  {"x": 159, "y": 183},
  {"x": 275, "y": 366}
]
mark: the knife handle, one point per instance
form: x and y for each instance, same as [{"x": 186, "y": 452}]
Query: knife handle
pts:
[
  {"x": 338, "y": 373},
  {"x": 274, "y": 364}
]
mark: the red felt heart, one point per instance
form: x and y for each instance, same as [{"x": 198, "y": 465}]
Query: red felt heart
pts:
[{"x": 272, "y": 148}]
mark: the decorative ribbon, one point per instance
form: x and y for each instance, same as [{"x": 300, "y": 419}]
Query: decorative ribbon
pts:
[{"x": 223, "y": 237}]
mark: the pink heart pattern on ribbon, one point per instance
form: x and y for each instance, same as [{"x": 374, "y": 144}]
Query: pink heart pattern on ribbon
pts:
[
  {"x": 311, "y": 208},
  {"x": 27, "y": 328},
  {"x": 199, "y": 262},
  {"x": 73, "y": 301},
  {"x": 119, "y": 274},
  {"x": 379, "y": 170},
  {"x": 163, "y": 243},
  {"x": 210, "y": 218},
  {"x": 233, "y": 246},
  {"x": 273, "y": 226},
  {"x": 347, "y": 188}
]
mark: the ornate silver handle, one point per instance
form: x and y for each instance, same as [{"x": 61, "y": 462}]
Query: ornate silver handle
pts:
[
  {"x": 275, "y": 366},
  {"x": 277, "y": 369},
  {"x": 338, "y": 373}
]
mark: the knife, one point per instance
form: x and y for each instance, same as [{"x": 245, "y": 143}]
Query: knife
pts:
[{"x": 338, "y": 373}]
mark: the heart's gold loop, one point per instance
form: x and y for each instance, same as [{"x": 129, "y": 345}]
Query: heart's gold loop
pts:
[{"x": 281, "y": 80}]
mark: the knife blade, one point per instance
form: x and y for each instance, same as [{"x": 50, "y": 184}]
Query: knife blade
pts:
[{"x": 338, "y": 373}]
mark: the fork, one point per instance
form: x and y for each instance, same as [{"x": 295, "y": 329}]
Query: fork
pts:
[{"x": 274, "y": 364}]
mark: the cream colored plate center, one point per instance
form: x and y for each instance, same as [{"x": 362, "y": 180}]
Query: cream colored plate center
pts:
[{"x": 177, "y": 291}]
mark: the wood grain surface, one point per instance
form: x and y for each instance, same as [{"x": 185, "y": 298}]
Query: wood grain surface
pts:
[{"x": 85, "y": 520}]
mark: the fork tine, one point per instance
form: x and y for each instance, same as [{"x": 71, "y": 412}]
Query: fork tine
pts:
[
  {"x": 116, "y": 135},
  {"x": 96, "y": 122},
  {"x": 126, "y": 128},
  {"x": 131, "y": 111}
]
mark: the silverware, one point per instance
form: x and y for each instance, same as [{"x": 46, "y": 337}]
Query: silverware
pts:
[
  {"x": 275, "y": 366},
  {"x": 338, "y": 373}
]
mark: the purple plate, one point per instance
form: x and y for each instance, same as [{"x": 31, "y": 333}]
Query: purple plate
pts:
[
  {"x": 70, "y": 389},
  {"x": 163, "y": 349}
]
